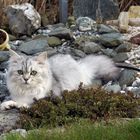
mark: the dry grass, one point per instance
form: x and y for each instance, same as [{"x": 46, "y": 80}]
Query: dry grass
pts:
[
  {"x": 125, "y": 4},
  {"x": 5, "y": 3},
  {"x": 51, "y": 7}
]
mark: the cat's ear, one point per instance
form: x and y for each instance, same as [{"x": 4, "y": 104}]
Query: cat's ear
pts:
[
  {"x": 13, "y": 55},
  {"x": 41, "y": 58}
]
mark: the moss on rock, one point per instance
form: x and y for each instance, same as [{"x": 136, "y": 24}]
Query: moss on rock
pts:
[{"x": 54, "y": 41}]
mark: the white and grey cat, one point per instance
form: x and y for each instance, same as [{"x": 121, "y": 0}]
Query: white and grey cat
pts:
[{"x": 34, "y": 77}]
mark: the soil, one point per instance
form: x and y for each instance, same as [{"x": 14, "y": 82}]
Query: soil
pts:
[{"x": 2, "y": 37}]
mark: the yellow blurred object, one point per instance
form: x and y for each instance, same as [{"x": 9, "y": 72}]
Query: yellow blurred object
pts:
[
  {"x": 134, "y": 12},
  {"x": 4, "y": 39}
]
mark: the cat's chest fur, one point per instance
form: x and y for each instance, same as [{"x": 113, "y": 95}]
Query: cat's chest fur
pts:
[{"x": 26, "y": 94}]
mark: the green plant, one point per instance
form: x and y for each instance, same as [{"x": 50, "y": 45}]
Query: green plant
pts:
[
  {"x": 85, "y": 130},
  {"x": 94, "y": 104}
]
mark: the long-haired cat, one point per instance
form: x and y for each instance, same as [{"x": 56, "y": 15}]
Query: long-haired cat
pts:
[{"x": 30, "y": 77}]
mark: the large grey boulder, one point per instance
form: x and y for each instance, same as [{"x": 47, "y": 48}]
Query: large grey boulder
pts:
[
  {"x": 23, "y": 19},
  {"x": 34, "y": 46},
  {"x": 106, "y": 9}
]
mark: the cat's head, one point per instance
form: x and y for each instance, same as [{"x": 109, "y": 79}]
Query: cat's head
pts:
[{"x": 27, "y": 71}]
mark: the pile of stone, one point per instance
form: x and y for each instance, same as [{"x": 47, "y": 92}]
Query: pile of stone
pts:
[{"x": 79, "y": 37}]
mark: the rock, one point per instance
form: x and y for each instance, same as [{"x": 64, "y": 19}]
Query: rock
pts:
[
  {"x": 62, "y": 33},
  {"x": 124, "y": 47},
  {"x": 109, "y": 9},
  {"x": 127, "y": 77},
  {"x": 134, "y": 90},
  {"x": 123, "y": 21},
  {"x": 135, "y": 39},
  {"x": 71, "y": 21},
  {"x": 33, "y": 46},
  {"x": 13, "y": 46},
  {"x": 101, "y": 28},
  {"x": 8, "y": 120},
  {"x": 53, "y": 41},
  {"x": 85, "y": 23},
  {"x": 78, "y": 53},
  {"x": 91, "y": 47},
  {"x": 136, "y": 83},
  {"x": 96, "y": 83},
  {"x": 109, "y": 52},
  {"x": 120, "y": 57},
  {"x": 22, "y": 132},
  {"x": 51, "y": 51},
  {"x": 12, "y": 37},
  {"x": 23, "y": 19},
  {"x": 112, "y": 87},
  {"x": 3, "y": 88},
  {"x": 111, "y": 39},
  {"x": 4, "y": 56},
  {"x": 2, "y": 78},
  {"x": 15, "y": 43},
  {"x": 134, "y": 12},
  {"x": 64, "y": 49},
  {"x": 3, "y": 66},
  {"x": 82, "y": 39},
  {"x": 24, "y": 38},
  {"x": 44, "y": 20},
  {"x": 55, "y": 26},
  {"x": 43, "y": 31},
  {"x": 134, "y": 22},
  {"x": 40, "y": 36},
  {"x": 3, "y": 92}
]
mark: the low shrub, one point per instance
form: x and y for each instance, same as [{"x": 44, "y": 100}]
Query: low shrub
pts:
[{"x": 95, "y": 104}]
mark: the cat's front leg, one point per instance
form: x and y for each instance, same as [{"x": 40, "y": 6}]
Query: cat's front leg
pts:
[{"x": 8, "y": 104}]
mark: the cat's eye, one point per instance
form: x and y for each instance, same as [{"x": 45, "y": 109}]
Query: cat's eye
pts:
[
  {"x": 33, "y": 73},
  {"x": 20, "y": 72}
]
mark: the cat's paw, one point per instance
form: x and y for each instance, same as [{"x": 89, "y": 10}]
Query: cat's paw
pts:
[
  {"x": 7, "y": 105},
  {"x": 23, "y": 105}
]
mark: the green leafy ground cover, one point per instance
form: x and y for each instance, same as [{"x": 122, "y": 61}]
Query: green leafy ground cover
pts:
[{"x": 92, "y": 104}]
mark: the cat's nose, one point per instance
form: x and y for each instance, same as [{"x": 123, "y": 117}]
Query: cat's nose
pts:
[{"x": 26, "y": 79}]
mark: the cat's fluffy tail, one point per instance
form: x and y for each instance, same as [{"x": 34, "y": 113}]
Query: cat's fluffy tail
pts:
[{"x": 98, "y": 66}]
